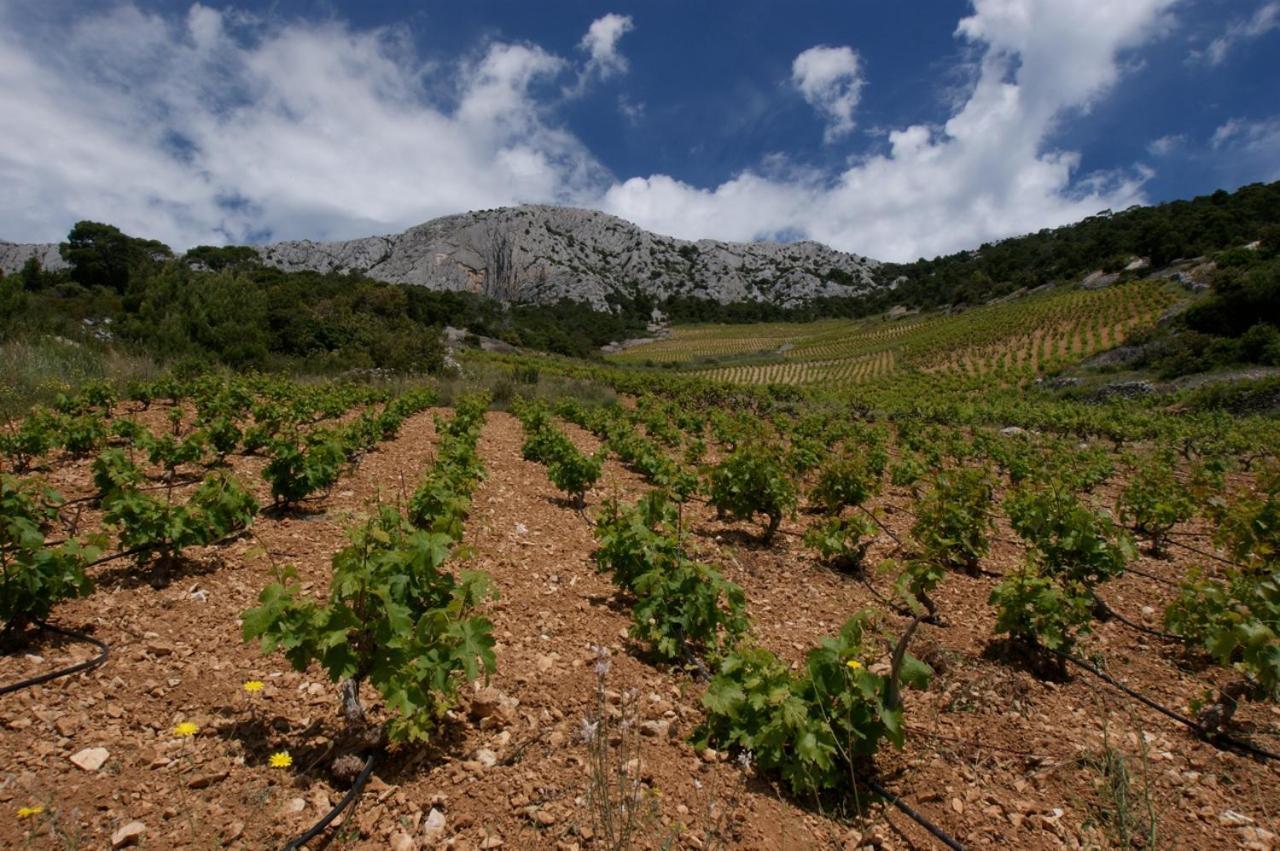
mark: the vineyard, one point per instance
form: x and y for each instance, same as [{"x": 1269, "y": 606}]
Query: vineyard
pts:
[
  {"x": 1015, "y": 340},
  {"x": 252, "y": 612}
]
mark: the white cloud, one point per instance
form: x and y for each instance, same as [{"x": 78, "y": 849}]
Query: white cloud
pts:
[
  {"x": 1166, "y": 145},
  {"x": 1265, "y": 19},
  {"x": 987, "y": 173},
  {"x": 1247, "y": 150},
  {"x": 830, "y": 79},
  {"x": 214, "y": 126},
  {"x": 601, "y": 45},
  {"x": 211, "y": 128}
]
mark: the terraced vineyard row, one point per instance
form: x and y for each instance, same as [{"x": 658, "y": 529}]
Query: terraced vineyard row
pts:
[
  {"x": 1017, "y": 339},
  {"x": 856, "y": 369}
]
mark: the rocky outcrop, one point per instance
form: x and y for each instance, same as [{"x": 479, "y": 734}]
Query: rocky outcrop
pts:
[
  {"x": 13, "y": 256},
  {"x": 544, "y": 253},
  {"x": 541, "y": 254}
]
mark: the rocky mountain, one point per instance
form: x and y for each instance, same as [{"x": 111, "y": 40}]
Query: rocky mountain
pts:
[
  {"x": 14, "y": 255},
  {"x": 544, "y": 253},
  {"x": 541, "y": 254}
]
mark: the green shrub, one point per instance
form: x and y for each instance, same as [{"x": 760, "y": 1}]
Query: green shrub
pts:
[
  {"x": 1154, "y": 500},
  {"x": 34, "y": 576},
  {"x": 844, "y": 481},
  {"x": 751, "y": 481},
  {"x": 842, "y": 541},
  {"x": 393, "y": 618},
  {"x": 952, "y": 521},
  {"x": 817, "y": 727}
]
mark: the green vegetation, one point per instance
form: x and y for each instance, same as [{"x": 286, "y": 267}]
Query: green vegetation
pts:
[{"x": 815, "y": 728}]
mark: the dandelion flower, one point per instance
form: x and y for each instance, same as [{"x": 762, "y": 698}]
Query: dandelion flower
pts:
[
  {"x": 854, "y": 665},
  {"x": 253, "y": 686},
  {"x": 281, "y": 759},
  {"x": 28, "y": 812},
  {"x": 185, "y": 730}
]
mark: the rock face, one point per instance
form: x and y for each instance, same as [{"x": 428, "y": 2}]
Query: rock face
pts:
[
  {"x": 13, "y": 256},
  {"x": 542, "y": 254}
]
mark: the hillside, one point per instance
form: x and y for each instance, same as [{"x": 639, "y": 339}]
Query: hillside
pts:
[
  {"x": 1011, "y": 340},
  {"x": 542, "y": 254}
]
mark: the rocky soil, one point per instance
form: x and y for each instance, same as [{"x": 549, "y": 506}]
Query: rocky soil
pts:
[{"x": 996, "y": 756}]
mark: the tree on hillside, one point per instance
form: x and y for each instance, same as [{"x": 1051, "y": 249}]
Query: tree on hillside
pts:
[{"x": 104, "y": 256}]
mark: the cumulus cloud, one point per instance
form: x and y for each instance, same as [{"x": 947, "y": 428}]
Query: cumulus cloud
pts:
[
  {"x": 830, "y": 79},
  {"x": 1166, "y": 145},
  {"x": 211, "y": 128},
  {"x": 988, "y": 172},
  {"x": 1265, "y": 19},
  {"x": 601, "y": 46},
  {"x": 1248, "y": 150}
]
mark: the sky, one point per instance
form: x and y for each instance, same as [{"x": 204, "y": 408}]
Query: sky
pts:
[{"x": 893, "y": 130}]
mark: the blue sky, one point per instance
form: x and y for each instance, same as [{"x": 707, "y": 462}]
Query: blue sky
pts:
[{"x": 893, "y": 130}]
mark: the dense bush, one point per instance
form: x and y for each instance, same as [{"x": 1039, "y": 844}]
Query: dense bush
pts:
[
  {"x": 393, "y": 618},
  {"x": 818, "y": 727},
  {"x": 751, "y": 481}
]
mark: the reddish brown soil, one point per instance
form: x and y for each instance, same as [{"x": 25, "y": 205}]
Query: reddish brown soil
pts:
[{"x": 995, "y": 756}]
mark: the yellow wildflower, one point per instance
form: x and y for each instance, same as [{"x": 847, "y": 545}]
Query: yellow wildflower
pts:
[
  {"x": 253, "y": 686},
  {"x": 185, "y": 729},
  {"x": 28, "y": 812},
  {"x": 281, "y": 759},
  {"x": 854, "y": 665}
]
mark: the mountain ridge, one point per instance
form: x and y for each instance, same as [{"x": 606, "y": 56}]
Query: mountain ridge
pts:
[{"x": 543, "y": 253}]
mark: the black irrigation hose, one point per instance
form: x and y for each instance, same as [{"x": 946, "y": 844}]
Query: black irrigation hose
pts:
[
  {"x": 907, "y": 810},
  {"x": 64, "y": 672},
  {"x": 319, "y": 827},
  {"x": 1153, "y": 577},
  {"x": 1214, "y": 738},
  {"x": 1158, "y": 633},
  {"x": 1201, "y": 552}
]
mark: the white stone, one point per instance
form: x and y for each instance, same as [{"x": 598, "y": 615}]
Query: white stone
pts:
[{"x": 90, "y": 759}]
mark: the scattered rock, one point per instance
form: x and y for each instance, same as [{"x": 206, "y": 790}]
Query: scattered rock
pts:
[
  {"x": 433, "y": 826},
  {"x": 486, "y": 757},
  {"x": 1123, "y": 390},
  {"x": 203, "y": 781},
  {"x": 90, "y": 759},
  {"x": 401, "y": 841},
  {"x": 128, "y": 835},
  {"x": 1099, "y": 280},
  {"x": 67, "y": 724},
  {"x": 656, "y": 729}
]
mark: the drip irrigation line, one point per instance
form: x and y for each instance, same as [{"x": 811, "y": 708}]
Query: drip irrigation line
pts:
[
  {"x": 1201, "y": 552},
  {"x": 133, "y": 552},
  {"x": 1219, "y": 739},
  {"x": 176, "y": 483},
  {"x": 114, "y": 556},
  {"x": 910, "y": 813},
  {"x": 319, "y": 827},
  {"x": 1153, "y": 577},
  {"x": 1158, "y": 633},
  {"x": 63, "y": 672}
]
